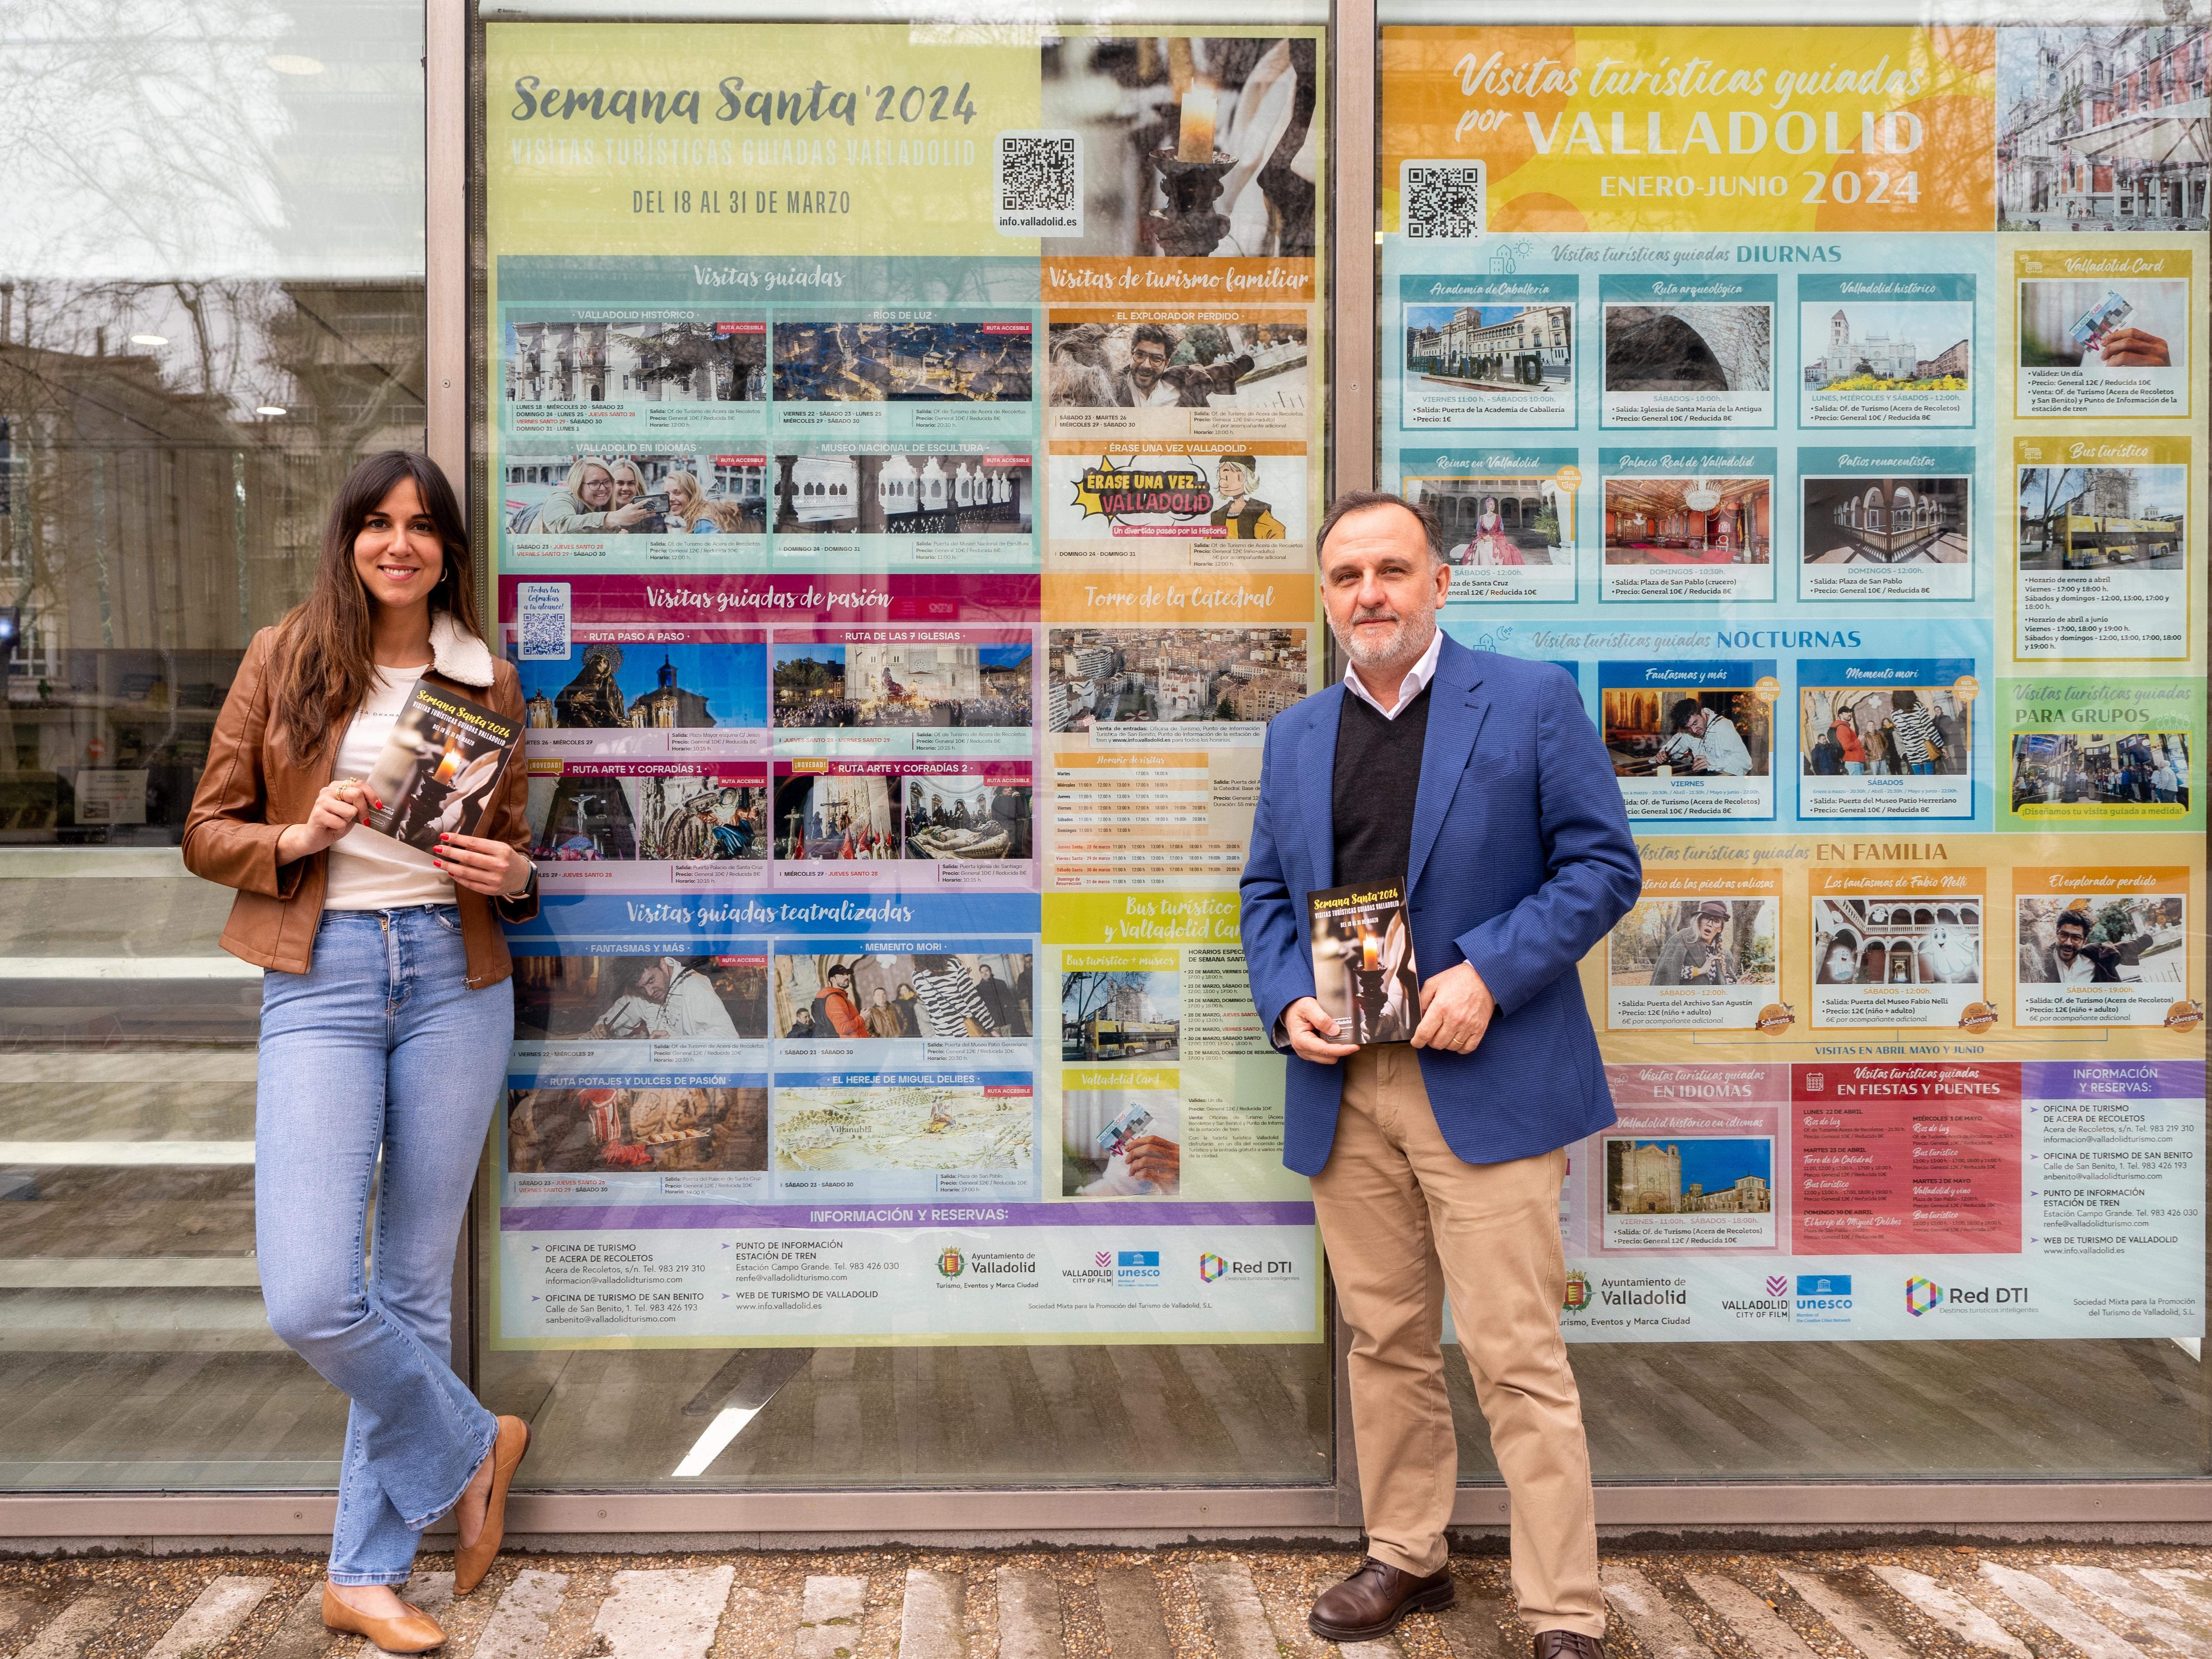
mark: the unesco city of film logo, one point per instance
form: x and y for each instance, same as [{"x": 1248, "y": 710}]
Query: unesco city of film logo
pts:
[
  {"x": 950, "y": 1263},
  {"x": 1211, "y": 1266},
  {"x": 1578, "y": 1295},
  {"x": 1922, "y": 1296}
]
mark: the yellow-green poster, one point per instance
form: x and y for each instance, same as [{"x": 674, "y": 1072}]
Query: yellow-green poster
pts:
[{"x": 904, "y": 448}]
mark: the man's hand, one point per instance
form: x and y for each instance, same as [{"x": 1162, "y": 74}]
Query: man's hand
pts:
[
  {"x": 1313, "y": 1031},
  {"x": 1455, "y": 1011}
]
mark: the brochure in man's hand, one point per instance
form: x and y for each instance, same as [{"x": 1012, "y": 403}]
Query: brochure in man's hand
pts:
[
  {"x": 439, "y": 768},
  {"x": 1363, "y": 954}
]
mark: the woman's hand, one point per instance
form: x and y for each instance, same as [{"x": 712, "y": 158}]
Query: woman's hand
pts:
[
  {"x": 491, "y": 867},
  {"x": 338, "y": 808},
  {"x": 630, "y": 512}
]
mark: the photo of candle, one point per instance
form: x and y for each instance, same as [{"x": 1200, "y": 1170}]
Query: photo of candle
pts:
[{"x": 1194, "y": 141}]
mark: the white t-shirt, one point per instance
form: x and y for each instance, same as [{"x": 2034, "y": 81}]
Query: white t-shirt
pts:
[{"x": 369, "y": 871}]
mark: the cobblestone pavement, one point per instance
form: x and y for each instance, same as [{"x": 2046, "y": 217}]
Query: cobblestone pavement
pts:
[{"x": 1194, "y": 1602}]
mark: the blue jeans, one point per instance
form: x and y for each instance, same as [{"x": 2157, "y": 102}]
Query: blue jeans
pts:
[
  {"x": 1923, "y": 769},
  {"x": 380, "y": 1047}
]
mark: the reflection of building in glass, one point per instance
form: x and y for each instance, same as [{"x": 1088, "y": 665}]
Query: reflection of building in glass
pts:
[
  {"x": 1646, "y": 1179},
  {"x": 1906, "y": 941},
  {"x": 2102, "y": 126},
  {"x": 1885, "y": 520}
]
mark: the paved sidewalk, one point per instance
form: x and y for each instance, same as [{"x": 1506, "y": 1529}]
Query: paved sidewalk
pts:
[{"x": 2051, "y": 1602}]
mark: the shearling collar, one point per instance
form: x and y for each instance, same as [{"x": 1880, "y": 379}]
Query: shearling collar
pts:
[{"x": 458, "y": 654}]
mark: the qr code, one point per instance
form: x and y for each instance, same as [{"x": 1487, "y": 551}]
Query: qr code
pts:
[
  {"x": 1442, "y": 201},
  {"x": 541, "y": 617},
  {"x": 1037, "y": 184}
]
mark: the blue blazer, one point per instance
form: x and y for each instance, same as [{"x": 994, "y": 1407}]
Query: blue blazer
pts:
[{"x": 1522, "y": 862}]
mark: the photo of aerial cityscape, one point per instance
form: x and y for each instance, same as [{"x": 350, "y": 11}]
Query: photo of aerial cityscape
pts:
[
  {"x": 1101, "y": 674},
  {"x": 902, "y": 362}
]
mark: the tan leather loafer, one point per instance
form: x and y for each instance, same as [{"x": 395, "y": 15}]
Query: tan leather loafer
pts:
[
  {"x": 472, "y": 1561},
  {"x": 414, "y": 1631}
]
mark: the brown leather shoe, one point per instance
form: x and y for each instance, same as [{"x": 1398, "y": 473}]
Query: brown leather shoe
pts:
[
  {"x": 1568, "y": 1644},
  {"x": 472, "y": 1561},
  {"x": 1372, "y": 1601},
  {"x": 416, "y": 1632}
]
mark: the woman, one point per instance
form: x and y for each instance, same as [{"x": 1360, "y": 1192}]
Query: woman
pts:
[
  {"x": 1491, "y": 545},
  {"x": 385, "y": 1021},
  {"x": 585, "y": 504},
  {"x": 687, "y": 507}
]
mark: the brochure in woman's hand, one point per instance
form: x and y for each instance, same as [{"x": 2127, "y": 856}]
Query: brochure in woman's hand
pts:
[
  {"x": 1363, "y": 954},
  {"x": 439, "y": 768}
]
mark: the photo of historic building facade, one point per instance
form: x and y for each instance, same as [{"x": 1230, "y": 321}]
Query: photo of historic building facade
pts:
[{"x": 2102, "y": 128}]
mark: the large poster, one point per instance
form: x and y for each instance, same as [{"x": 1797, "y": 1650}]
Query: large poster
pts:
[
  {"x": 1837, "y": 416},
  {"x": 905, "y": 451}
]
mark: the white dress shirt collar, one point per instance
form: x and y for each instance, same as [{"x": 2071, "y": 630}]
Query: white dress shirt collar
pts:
[{"x": 1417, "y": 679}]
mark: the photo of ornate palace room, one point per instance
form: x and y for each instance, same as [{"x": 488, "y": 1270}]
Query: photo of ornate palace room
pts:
[{"x": 1689, "y": 520}]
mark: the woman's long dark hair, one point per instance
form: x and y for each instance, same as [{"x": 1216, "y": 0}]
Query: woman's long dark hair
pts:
[{"x": 326, "y": 644}]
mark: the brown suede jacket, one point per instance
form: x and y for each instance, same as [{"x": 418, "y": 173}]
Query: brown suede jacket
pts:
[{"x": 250, "y": 791}]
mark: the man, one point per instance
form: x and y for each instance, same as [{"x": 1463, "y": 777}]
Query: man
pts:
[
  {"x": 836, "y": 1013},
  {"x": 670, "y": 1000},
  {"x": 1694, "y": 954},
  {"x": 1142, "y": 383},
  {"x": 1479, "y": 783},
  {"x": 1707, "y": 739},
  {"x": 2163, "y": 782},
  {"x": 999, "y": 997},
  {"x": 1240, "y": 516},
  {"x": 2072, "y": 959}
]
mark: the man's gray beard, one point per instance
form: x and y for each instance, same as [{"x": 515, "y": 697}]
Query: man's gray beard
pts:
[{"x": 1415, "y": 632}]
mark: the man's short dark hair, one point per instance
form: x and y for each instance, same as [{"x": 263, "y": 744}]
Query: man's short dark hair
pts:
[
  {"x": 1679, "y": 716},
  {"x": 2073, "y": 919},
  {"x": 1358, "y": 500},
  {"x": 1153, "y": 332}
]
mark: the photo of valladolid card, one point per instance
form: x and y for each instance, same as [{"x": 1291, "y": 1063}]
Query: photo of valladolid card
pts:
[
  {"x": 1363, "y": 954},
  {"x": 443, "y": 760}
]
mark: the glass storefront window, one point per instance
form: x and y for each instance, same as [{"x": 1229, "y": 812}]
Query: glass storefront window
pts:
[
  {"x": 1768, "y": 381},
  {"x": 210, "y": 305},
  {"x": 903, "y": 459}
]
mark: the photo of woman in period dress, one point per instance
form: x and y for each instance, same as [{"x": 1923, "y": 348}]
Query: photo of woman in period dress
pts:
[{"x": 1491, "y": 545}]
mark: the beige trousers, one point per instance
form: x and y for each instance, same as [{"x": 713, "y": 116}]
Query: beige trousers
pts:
[{"x": 1405, "y": 1222}]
